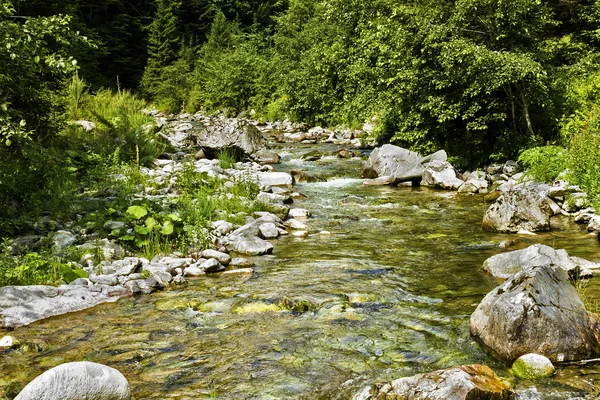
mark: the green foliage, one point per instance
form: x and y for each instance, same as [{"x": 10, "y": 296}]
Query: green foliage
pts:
[
  {"x": 545, "y": 163},
  {"x": 226, "y": 159}
]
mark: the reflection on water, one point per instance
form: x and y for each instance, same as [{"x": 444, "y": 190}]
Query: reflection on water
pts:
[{"x": 388, "y": 293}]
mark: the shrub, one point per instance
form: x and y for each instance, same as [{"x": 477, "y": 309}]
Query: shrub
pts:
[{"x": 544, "y": 163}]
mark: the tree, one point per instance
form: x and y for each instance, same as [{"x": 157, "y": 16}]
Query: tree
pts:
[{"x": 163, "y": 43}]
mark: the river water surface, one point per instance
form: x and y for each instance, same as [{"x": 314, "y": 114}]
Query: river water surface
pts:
[{"x": 387, "y": 293}]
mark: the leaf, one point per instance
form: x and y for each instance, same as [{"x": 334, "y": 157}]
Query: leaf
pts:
[
  {"x": 150, "y": 223},
  {"x": 167, "y": 228},
  {"x": 8, "y": 142},
  {"x": 140, "y": 242},
  {"x": 173, "y": 217},
  {"x": 142, "y": 230},
  {"x": 127, "y": 237},
  {"x": 136, "y": 212}
]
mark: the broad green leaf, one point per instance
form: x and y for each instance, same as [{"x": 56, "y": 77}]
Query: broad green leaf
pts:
[
  {"x": 173, "y": 217},
  {"x": 150, "y": 223},
  {"x": 142, "y": 230},
  {"x": 140, "y": 242},
  {"x": 167, "y": 228},
  {"x": 136, "y": 212},
  {"x": 127, "y": 237}
]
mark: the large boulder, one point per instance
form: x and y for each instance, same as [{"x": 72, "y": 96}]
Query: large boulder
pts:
[
  {"x": 77, "y": 381},
  {"x": 505, "y": 265},
  {"x": 536, "y": 311},
  {"x": 237, "y": 136},
  {"x": 22, "y": 305},
  {"x": 442, "y": 175},
  {"x": 400, "y": 164},
  {"x": 523, "y": 207},
  {"x": 458, "y": 383}
]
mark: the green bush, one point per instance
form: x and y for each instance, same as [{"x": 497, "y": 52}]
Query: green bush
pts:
[{"x": 544, "y": 163}]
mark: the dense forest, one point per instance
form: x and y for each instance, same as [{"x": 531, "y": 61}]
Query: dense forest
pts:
[{"x": 483, "y": 79}]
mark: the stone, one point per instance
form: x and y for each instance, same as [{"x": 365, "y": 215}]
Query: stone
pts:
[
  {"x": 240, "y": 271},
  {"x": 145, "y": 286},
  {"x": 223, "y": 258},
  {"x": 114, "y": 225},
  {"x": 211, "y": 265},
  {"x": 299, "y": 213},
  {"x": 526, "y": 207},
  {"x": 240, "y": 262},
  {"x": 77, "y": 381},
  {"x": 400, "y": 164},
  {"x": 473, "y": 185},
  {"x": 536, "y": 311},
  {"x": 594, "y": 224},
  {"x": 343, "y": 153},
  {"x": 268, "y": 231},
  {"x": 532, "y": 366},
  {"x": 510, "y": 168},
  {"x": 62, "y": 240},
  {"x": 380, "y": 181},
  {"x": 466, "y": 382},
  {"x": 194, "y": 270},
  {"x": 126, "y": 266},
  {"x": 87, "y": 126},
  {"x": 239, "y": 137},
  {"x": 305, "y": 177},
  {"x": 25, "y": 243},
  {"x": 22, "y": 305},
  {"x": 440, "y": 174},
  {"x": 269, "y": 179},
  {"x": 265, "y": 156},
  {"x": 295, "y": 224},
  {"x": 251, "y": 245},
  {"x": 222, "y": 227},
  {"x": 505, "y": 265}
]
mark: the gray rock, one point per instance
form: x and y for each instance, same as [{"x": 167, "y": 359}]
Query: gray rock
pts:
[
  {"x": 222, "y": 227},
  {"x": 110, "y": 280},
  {"x": 223, "y": 258},
  {"x": 22, "y": 305},
  {"x": 441, "y": 174},
  {"x": 473, "y": 185},
  {"x": 114, "y": 225},
  {"x": 467, "y": 382},
  {"x": 211, "y": 266},
  {"x": 251, "y": 245},
  {"x": 240, "y": 262},
  {"x": 525, "y": 207},
  {"x": 380, "y": 181},
  {"x": 299, "y": 213},
  {"x": 265, "y": 156},
  {"x": 62, "y": 240},
  {"x": 126, "y": 266},
  {"x": 505, "y": 265},
  {"x": 237, "y": 136},
  {"x": 145, "y": 286},
  {"x": 25, "y": 243},
  {"x": 398, "y": 163},
  {"x": 269, "y": 179},
  {"x": 536, "y": 311},
  {"x": 77, "y": 381},
  {"x": 194, "y": 270},
  {"x": 268, "y": 230},
  {"x": 510, "y": 168},
  {"x": 295, "y": 224},
  {"x": 305, "y": 176}
]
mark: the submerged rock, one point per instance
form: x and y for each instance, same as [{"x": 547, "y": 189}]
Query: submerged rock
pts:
[
  {"x": 305, "y": 176},
  {"x": 467, "y": 382},
  {"x": 532, "y": 366},
  {"x": 77, "y": 381},
  {"x": 265, "y": 156},
  {"x": 536, "y": 311}
]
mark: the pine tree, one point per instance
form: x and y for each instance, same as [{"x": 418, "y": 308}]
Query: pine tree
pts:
[{"x": 163, "y": 43}]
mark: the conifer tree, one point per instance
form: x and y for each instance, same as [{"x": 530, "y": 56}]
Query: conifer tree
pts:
[{"x": 163, "y": 42}]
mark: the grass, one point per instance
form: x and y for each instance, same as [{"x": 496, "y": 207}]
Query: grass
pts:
[{"x": 226, "y": 159}]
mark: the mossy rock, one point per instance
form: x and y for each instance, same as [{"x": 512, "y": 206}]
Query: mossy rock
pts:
[
  {"x": 256, "y": 308},
  {"x": 176, "y": 304},
  {"x": 532, "y": 366}
]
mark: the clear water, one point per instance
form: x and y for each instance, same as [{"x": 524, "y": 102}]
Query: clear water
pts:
[{"x": 390, "y": 288}]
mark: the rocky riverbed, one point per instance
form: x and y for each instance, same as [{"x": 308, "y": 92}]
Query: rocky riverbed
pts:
[{"x": 370, "y": 284}]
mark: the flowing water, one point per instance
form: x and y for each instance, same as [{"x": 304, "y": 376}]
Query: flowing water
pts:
[{"x": 385, "y": 292}]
